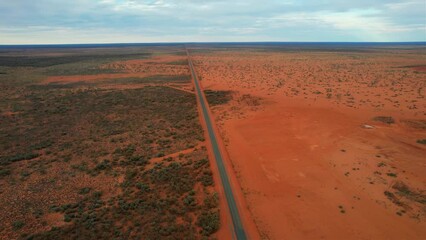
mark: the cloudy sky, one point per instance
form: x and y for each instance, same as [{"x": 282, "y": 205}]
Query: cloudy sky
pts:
[{"x": 107, "y": 21}]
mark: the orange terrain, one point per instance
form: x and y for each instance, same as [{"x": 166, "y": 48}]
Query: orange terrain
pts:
[
  {"x": 164, "y": 65},
  {"x": 325, "y": 145}
]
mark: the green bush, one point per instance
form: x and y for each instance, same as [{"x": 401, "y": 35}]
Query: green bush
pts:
[
  {"x": 384, "y": 119},
  {"x": 207, "y": 179},
  {"x": 211, "y": 201},
  {"x": 143, "y": 187},
  {"x": 84, "y": 190},
  {"x": 218, "y": 97},
  {"x": 4, "y": 172},
  {"x": 18, "y": 157},
  {"x": 209, "y": 222},
  {"x": 18, "y": 225},
  {"x": 189, "y": 201}
]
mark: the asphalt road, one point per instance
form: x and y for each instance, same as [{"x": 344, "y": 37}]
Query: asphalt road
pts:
[{"x": 239, "y": 232}]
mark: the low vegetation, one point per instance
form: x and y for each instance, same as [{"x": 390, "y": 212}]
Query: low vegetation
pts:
[
  {"x": 81, "y": 161},
  {"x": 384, "y": 119},
  {"x": 150, "y": 79},
  {"x": 217, "y": 97}
]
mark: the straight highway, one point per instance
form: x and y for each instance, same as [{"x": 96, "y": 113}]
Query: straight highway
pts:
[{"x": 239, "y": 231}]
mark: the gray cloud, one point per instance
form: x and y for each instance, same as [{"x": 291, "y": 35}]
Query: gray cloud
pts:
[{"x": 54, "y": 21}]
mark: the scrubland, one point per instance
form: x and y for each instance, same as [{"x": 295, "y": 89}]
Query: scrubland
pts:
[{"x": 102, "y": 143}]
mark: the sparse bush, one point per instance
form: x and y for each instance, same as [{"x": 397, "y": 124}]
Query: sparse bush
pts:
[
  {"x": 381, "y": 164},
  {"x": 209, "y": 222},
  {"x": 143, "y": 187},
  {"x": 189, "y": 200},
  {"x": 211, "y": 201},
  {"x": 391, "y": 174},
  {"x": 84, "y": 190},
  {"x": 18, "y": 157},
  {"x": 384, "y": 119},
  {"x": 207, "y": 178},
  {"x": 104, "y": 165},
  {"x": 4, "y": 172},
  {"x": 218, "y": 97},
  {"x": 18, "y": 225}
]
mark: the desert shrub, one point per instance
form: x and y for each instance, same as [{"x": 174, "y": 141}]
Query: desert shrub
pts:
[
  {"x": 200, "y": 163},
  {"x": 189, "y": 200},
  {"x": 391, "y": 196},
  {"x": 4, "y": 172},
  {"x": 130, "y": 174},
  {"x": 67, "y": 218},
  {"x": 384, "y": 119},
  {"x": 38, "y": 213},
  {"x": 405, "y": 191},
  {"x": 143, "y": 187},
  {"x": 18, "y": 225},
  {"x": 421, "y": 141},
  {"x": 206, "y": 178},
  {"x": 85, "y": 190},
  {"x": 209, "y": 221},
  {"x": 126, "y": 151},
  {"x": 218, "y": 97},
  {"x": 391, "y": 174},
  {"x": 42, "y": 145},
  {"x": 137, "y": 161},
  {"x": 104, "y": 165},
  {"x": 211, "y": 201},
  {"x": 160, "y": 154},
  {"x": 18, "y": 157},
  {"x": 418, "y": 124},
  {"x": 381, "y": 164}
]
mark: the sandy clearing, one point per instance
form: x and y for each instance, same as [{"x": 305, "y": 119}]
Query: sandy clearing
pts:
[{"x": 289, "y": 164}]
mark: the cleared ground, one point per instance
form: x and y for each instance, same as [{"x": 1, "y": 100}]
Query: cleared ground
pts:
[{"x": 326, "y": 143}]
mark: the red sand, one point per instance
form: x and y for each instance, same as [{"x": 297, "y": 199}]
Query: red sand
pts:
[
  {"x": 307, "y": 166},
  {"x": 90, "y": 78}
]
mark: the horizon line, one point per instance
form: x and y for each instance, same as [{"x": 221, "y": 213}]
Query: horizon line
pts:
[{"x": 204, "y": 42}]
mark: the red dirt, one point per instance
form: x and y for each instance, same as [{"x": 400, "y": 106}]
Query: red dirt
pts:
[
  {"x": 307, "y": 166},
  {"x": 420, "y": 68},
  {"x": 90, "y": 78},
  {"x": 159, "y": 65},
  {"x": 55, "y": 219}
]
